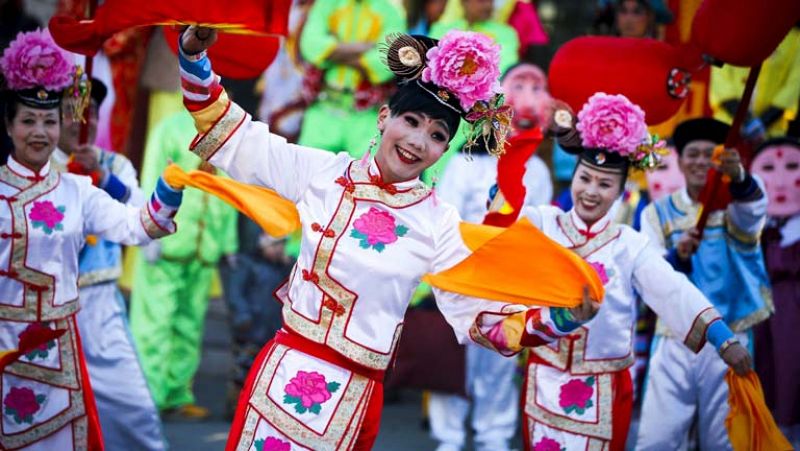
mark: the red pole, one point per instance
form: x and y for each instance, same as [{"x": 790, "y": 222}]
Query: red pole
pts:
[{"x": 731, "y": 140}]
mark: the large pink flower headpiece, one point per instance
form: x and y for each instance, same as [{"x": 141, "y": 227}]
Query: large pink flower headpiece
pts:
[
  {"x": 612, "y": 122},
  {"x": 467, "y": 64},
  {"x": 34, "y": 60},
  {"x": 461, "y": 71}
]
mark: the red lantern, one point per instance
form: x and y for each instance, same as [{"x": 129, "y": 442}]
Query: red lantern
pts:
[
  {"x": 743, "y": 32},
  {"x": 652, "y": 74}
]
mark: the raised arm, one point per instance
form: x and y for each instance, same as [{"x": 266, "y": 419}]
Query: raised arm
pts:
[
  {"x": 505, "y": 328},
  {"x": 125, "y": 224},
  {"x": 684, "y": 309},
  {"x": 230, "y": 139}
]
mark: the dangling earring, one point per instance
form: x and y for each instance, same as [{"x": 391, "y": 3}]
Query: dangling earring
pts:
[{"x": 364, "y": 162}]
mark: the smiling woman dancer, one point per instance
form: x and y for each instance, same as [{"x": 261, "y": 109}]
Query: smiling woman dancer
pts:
[
  {"x": 370, "y": 230},
  {"x": 578, "y": 392},
  {"x": 45, "y": 216}
]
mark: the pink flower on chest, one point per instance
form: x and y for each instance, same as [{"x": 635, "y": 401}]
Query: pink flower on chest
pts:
[
  {"x": 47, "y": 213},
  {"x": 377, "y": 228},
  {"x": 377, "y": 225},
  {"x": 601, "y": 271}
]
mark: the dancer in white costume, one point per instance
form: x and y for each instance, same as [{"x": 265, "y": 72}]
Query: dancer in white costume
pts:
[{"x": 128, "y": 415}]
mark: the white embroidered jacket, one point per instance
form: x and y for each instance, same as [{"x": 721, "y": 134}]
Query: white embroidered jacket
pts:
[
  {"x": 44, "y": 219},
  {"x": 365, "y": 245},
  {"x": 631, "y": 267}
]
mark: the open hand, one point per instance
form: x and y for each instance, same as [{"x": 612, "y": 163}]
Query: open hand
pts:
[{"x": 197, "y": 39}]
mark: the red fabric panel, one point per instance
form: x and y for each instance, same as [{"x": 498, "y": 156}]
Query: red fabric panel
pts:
[{"x": 265, "y": 17}]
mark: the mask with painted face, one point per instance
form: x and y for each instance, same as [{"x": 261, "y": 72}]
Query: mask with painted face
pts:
[
  {"x": 525, "y": 87},
  {"x": 777, "y": 162},
  {"x": 667, "y": 178}
]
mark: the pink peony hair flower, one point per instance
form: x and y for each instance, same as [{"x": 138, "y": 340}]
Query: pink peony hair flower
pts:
[
  {"x": 466, "y": 64},
  {"x": 33, "y": 59},
  {"x": 612, "y": 122}
]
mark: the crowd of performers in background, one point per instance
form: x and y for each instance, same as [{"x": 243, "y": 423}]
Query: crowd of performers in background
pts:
[{"x": 647, "y": 360}]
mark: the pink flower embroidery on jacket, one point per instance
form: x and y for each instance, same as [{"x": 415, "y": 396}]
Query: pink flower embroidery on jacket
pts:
[
  {"x": 47, "y": 216},
  {"x": 576, "y": 395},
  {"x": 21, "y": 403},
  {"x": 43, "y": 350},
  {"x": 376, "y": 228},
  {"x": 272, "y": 444},
  {"x": 547, "y": 444},
  {"x": 307, "y": 391},
  {"x": 601, "y": 271}
]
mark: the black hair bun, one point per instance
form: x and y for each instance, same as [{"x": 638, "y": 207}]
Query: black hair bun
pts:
[{"x": 405, "y": 55}]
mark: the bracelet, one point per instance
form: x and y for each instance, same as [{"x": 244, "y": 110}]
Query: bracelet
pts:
[{"x": 727, "y": 344}]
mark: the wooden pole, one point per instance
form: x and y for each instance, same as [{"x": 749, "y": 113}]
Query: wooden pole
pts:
[
  {"x": 83, "y": 136},
  {"x": 733, "y": 138}
]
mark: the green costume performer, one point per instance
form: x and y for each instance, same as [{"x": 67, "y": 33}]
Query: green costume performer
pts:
[
  {"x": 506, "y": 37},
  {"x": 171, "y": 283},
  {"x": 332, "y": 23}
]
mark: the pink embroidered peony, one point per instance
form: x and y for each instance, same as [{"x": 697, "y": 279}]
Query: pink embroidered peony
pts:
[
  {"x": 275, "y": 444},
  {"x": 576, "y": 395},
  {"x": 601, "y": 271},
  {"x": 21, "y": 403},
  {"x": 466, "y": 64},
  {"x": 612, "y": 122},
  {"x": 377, "y": 228},
  {"x": 33, "y": 59},
  {"x": 310, "y": 387},
  {"x": 547, "y": 444},
  {"x": 46, "y": 213}
]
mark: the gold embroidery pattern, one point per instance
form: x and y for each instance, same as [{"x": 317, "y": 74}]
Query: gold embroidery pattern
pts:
[
  {"x": 588, "y": 247},
  {"x": 759, "y": 315},
  {"x": 696, "y": 337},
  {"x": 578, "y": 364},
  {"x": 76, "y": 409},
  {"x": 331, "y": 328},
  {"x": 80, "y": 433},
  {"x": 558, "y": 359},
  {"x": 101, "y": 275},
  {"x": 748, "y": 239},
  {"x": 39, "y": 287},
  {"x": 602, "y": 429},
  {"x": 205, "y": 146},
  {"x": 339, "y": 429}
]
